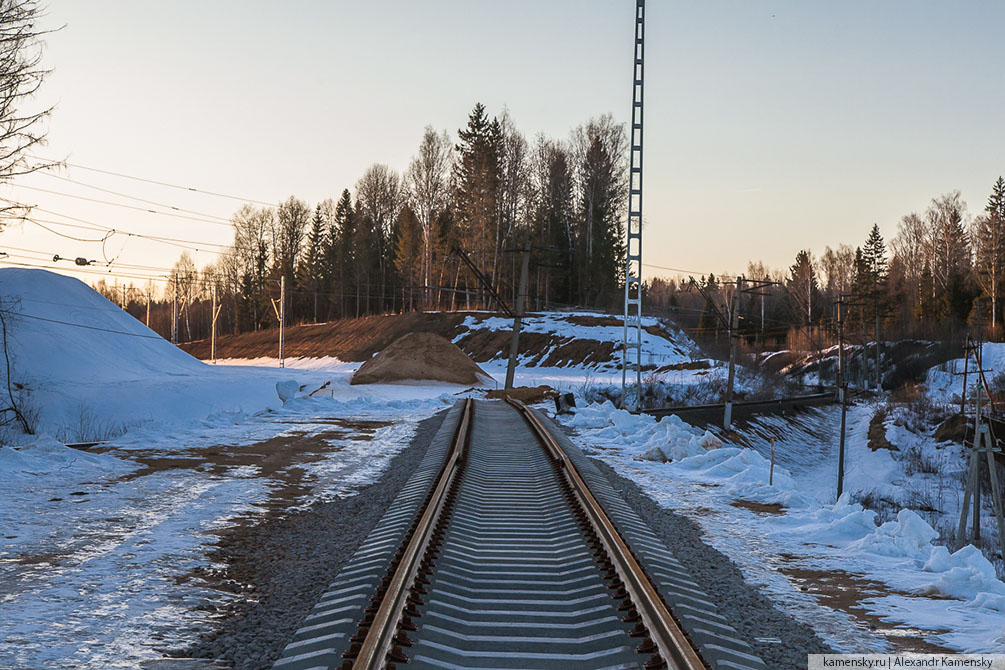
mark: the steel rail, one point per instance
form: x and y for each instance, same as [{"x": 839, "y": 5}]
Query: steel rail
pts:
[
  {"x": 380, "y": 636},
  {"x": 665, "y": 632}
]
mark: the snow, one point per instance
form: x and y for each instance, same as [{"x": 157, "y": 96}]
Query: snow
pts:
[
  {"x": 90, "y": 551},
  {"x": 656, "y": 350},
  {"x": 97, "y": 545},
  {"x": 92, "y": 371},
  {"x": 929, "y": 587},
  {"x": 44, "y": 456},
  {"x": 93, "y": 542},
  {"x": 944, "y": 386}
]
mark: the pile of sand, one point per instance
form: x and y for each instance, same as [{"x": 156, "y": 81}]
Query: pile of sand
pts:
[{"x": 422, "y": 357}]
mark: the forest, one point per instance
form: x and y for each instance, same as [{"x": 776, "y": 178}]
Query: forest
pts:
[
  {"x": 411, "y": 241},
  {"x": 397, "y": 242},
  {"x": 939, "y": 278}
]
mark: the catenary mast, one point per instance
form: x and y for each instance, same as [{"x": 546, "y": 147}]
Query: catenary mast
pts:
[{"x": 631, "y": 353}]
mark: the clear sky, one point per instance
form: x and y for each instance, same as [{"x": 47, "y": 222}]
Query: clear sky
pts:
[{"x": 771, "y": 126}]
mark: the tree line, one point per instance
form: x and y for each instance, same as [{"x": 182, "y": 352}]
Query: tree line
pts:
[
  {"x": 942, "y": 273},
  {"x": 393, "y": 242}
]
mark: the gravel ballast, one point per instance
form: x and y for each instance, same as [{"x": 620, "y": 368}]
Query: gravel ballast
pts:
[
  {"x": 283, "y": 565},
  {"x": 746, "y": 609}
]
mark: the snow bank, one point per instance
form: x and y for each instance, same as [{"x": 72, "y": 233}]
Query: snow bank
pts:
[
  {"x": 45, "y": 456},
  {"x": 944, "y": 386},
  {"x": 672, "y": 437},
  {"x": 90, "y": 370},
  {"x": 656, "y": 350},
  {"x": 67, "y": 331},
  {"x": 900, "y": 550}
]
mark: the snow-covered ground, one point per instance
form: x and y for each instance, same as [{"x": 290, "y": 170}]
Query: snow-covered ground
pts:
[
  {"x": 658, "y": 350},
  {"x": 97, "y": 548},
  {"x": 945, "y": 383},
  {"x": 954, "y": 601}
]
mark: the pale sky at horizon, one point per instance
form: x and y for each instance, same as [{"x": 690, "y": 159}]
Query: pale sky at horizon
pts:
[{"x": 770, "y": 126}]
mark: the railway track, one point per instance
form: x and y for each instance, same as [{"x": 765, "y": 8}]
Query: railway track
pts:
[{"x": 508, "y": 549}]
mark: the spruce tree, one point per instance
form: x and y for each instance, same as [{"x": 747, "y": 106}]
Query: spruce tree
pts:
[
  {"x": 988, "y": 234},
  {"x": 310, "y": 268},
  {"x": 342, "y": 259},
  {"x": 476, "y": 178},
  {"x": 874, "y": 260}
]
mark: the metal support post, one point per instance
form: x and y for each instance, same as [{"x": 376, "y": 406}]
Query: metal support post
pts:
[
  {"x": 842, "y": 398},
  {"x": 633, "y": 248}
]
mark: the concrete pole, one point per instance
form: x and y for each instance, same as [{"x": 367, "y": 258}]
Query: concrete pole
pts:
[
  {"x": 282, "y": 322},
  {"x": 212, "y": 346},
  {"x": 734, "y": 336},
  {"x": 521, "y": 300},
  {"x": 842, "y": 392},
  {"x": 174, "y": 312}
]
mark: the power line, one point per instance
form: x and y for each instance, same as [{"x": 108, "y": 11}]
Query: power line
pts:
[
  {"x": 84, "y": 224},
  {"x": 156, "y": 182},
  {"x": 80, "y": 325},
  {"x": 110, "y": 232},
  {"x": 119, "y": 204},
  {"x": 133, "y": 197},
  {"x": 690, "y": 272},
  {"x": 119, "y": 231},
  {"x": 69, "y": 237}
]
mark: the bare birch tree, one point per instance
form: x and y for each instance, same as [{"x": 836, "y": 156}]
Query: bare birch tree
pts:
[
  {"x": 21, "y": 76},
  {"x": 427, "y": 183}
]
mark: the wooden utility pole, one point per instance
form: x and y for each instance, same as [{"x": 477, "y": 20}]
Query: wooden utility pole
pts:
[
  {"x": 966, "y": 365},
  {"x": 734, "y": 335},
  {"x": 149, "y": 297},
  {"x": 879, "y": 376},
  {"x": 521, "y": 301},
  {"x": 983, "y": 444},
  {"x": 762, "y": 313}
]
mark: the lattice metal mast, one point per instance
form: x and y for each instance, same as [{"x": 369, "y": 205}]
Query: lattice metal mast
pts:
[{"x": 631, "y": 353}]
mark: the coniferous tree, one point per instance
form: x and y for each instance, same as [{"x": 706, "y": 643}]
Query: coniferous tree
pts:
[
  {"x": 553, "y": 219},
  {"x": 311, "y": 267},
  {"x": 408, "y": 254},
  {"x": 874, "y": 260},
  {"x": 988, "y": 236},
  {"x": 343, "y": 280},
  {"x": 600, "y": 147},
  {"x": 476, "y": 187}
]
